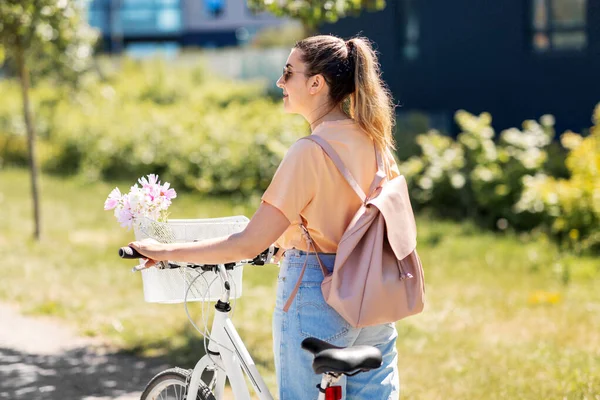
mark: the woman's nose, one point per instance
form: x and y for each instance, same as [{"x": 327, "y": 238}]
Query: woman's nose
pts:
[{"x": 280, "y": 82}]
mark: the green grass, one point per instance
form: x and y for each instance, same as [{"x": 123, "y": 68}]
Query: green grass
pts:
[{"x": 507, "y": 317}]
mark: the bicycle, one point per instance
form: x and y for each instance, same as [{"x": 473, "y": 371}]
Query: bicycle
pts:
[{"x": 227, "y": 357}]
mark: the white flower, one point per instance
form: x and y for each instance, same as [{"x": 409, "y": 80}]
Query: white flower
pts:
[
  {"x": 435, "y": 172},
  {"x": 487, "y": 132},
  {"x": 482, "y": 173},
  {"x": 547, "y": 120},
  {"x": 531, "y": 198},
  {"x": 425, "y": 183},
  {"x": 457, "y": 181}
]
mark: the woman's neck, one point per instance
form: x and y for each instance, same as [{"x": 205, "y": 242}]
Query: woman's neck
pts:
[{"x": 333, "y": 115}]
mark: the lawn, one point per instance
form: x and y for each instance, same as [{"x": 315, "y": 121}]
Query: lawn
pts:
[{"x": 507, "y": 316}]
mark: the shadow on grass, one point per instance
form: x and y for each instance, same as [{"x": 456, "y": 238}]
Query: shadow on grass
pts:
[
  {"x": 75, "y": 374},
  {"x": 188, "y": 349},
  {"x": 184, "y": 354}
]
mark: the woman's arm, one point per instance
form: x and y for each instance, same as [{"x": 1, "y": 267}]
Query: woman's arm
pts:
[{"x": 265, "y": 227}]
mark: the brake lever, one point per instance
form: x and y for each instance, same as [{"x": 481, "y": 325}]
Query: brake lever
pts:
[{"x": 266, "y": 256}]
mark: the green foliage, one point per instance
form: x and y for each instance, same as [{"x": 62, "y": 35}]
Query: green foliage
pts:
[
  {"x": 13, "y": 132},
  {"x": 285, "y": 35},
  {"x": 514, "y": 319},
  {"x": 194, "y": 130},
  {"x": 312, "y": 15},
  {"x": 570, "y": 208},
  {"x": 52, "y": 35},
  {"x": 505, "y": 182}
]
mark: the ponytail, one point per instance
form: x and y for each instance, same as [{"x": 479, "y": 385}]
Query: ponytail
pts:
[{"x": 371, "y": 104}]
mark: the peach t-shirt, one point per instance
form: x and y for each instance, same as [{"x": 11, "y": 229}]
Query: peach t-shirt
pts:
[{"x": 308, "y": 188}]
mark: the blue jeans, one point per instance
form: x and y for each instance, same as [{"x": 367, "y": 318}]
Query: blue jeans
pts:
[{"x": 310, "y": 315}]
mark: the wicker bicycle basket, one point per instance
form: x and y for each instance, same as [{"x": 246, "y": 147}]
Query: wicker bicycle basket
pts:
[{"x": 171, "y": 285}]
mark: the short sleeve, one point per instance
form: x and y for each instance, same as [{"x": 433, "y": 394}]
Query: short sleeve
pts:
[{"x": 294, "y": 184}]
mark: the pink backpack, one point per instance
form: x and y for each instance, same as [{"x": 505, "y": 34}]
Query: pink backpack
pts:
[{"x": 377, "y": 276}]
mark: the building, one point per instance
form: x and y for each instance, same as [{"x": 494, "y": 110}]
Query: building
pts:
[
  {"x": 206, "y": 23},
  {"x": 517, "y": 59}
]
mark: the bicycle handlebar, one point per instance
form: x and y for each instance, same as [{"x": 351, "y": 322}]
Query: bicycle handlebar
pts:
[{"x": 128, "y": 252}]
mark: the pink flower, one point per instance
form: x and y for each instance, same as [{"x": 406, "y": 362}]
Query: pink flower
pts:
[
  {"x": 124, "y": 217},
  {"x": 151, "y": 200},
  {"x": 168, "y": 193},
  {"x": 113, "y": 199},
  {"x": 151, "y": 181}
]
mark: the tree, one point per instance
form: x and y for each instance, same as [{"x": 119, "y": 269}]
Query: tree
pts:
[
  {"x": 54, "y": 36},
  {"x": 314, "y": 13}
]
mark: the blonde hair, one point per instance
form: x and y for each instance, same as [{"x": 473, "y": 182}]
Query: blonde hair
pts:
[{"x": 352, "y": 71}]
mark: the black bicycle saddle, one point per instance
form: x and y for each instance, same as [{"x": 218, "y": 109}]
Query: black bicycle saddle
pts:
[{"x": 342, "y": 360}]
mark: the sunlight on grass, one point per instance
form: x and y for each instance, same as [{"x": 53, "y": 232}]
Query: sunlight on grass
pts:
[{"x": 500, "y": 322}]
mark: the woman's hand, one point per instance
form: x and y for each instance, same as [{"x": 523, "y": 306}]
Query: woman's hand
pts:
[{"x": 153, "y": 251}]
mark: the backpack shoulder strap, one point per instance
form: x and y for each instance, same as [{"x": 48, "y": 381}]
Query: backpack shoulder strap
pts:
[
  {"x": 338, "y": 163},
  {"x": 380, "y": 175}
]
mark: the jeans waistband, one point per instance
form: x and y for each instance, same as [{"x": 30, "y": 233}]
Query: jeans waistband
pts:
[
  {"x": 294, "y": 259},
  {"x": 301, "y": 253}
]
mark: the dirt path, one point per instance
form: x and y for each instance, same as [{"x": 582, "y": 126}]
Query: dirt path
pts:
[{"x": 41, "y": 359}]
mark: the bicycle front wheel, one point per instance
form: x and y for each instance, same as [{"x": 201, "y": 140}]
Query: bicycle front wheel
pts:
[{"x": 171, "y": 384}]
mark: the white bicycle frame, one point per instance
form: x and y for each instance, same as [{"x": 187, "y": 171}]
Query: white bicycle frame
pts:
[{"x": 228, "y": 357}]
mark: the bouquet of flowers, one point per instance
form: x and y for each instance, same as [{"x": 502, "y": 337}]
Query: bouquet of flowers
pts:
[{"x": 151, "y": 200}]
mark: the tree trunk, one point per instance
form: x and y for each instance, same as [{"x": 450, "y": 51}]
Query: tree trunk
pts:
[{"x": 24, "y": 79}]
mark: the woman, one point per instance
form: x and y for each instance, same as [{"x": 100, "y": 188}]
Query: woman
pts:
[{"x": 335, "y": 85}]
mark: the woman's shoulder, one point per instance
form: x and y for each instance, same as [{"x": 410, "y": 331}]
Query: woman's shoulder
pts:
[
  {"x": 303, "y": 150},
  {"x": 304, "y": 146}
]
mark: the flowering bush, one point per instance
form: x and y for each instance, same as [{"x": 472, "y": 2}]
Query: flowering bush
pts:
[
  {"x": 150, "y": 200},
  {"x": 473, "y": 174},
  {"x": 570, "y": 208},
  {"x": 506, "y": 181}
]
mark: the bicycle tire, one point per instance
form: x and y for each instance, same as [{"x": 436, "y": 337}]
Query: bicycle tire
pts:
[{"x": 177, "y": 378}]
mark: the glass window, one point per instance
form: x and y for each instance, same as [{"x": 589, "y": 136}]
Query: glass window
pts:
[
  {"x": 410, "y": 29},
  {"x": 569, "y": 40},
  {"x": 214, "y": 8},
  {"x": 540, "y": 14},
  {"x": 133, "y": 4},
  {"x": 168, "y": 20},
  {"x": 559, "y": 25},
  {"x": 568, "y": 13},
  {"x": 135, "y": 17}
]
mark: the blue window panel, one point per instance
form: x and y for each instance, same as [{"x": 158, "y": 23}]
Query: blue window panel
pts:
[
  {"x": 137, "y": 17},
  {"x": 97, "y": 19},
  {"x": 169, "y": 20},
  {"x": 214, "y": 8}
]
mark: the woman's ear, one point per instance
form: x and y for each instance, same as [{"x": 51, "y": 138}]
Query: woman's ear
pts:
[{"x": 317, "y": 83}]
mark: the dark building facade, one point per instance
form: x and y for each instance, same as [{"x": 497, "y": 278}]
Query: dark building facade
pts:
[{"x": 517, "y": 59}]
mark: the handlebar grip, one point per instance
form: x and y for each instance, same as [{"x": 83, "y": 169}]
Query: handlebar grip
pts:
[{"x": 129, "y": 252}]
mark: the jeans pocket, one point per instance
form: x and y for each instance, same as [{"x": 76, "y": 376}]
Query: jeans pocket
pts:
[{"x": 315, "y": 317}]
